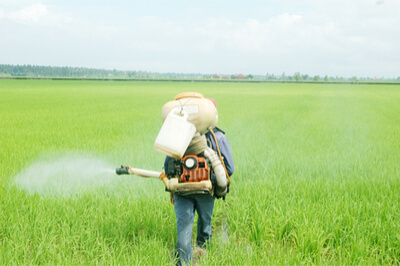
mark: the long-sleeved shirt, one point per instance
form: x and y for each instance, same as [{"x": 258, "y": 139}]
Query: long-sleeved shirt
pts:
[{"x": 224, "y": 147}]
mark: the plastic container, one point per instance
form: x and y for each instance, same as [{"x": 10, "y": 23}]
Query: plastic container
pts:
[
  {"x": 201, "y": 112},
  {"x": 175, "y": 134}
]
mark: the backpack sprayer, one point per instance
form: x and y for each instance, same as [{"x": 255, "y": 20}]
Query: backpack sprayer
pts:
[{"x": 193, "y": 164}]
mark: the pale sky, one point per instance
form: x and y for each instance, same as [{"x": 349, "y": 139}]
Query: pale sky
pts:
[{"x": 316, "y": 37}]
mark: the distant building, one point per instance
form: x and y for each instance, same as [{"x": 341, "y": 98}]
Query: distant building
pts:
[
  {"x": 239, "y": 76},
  {"x": 215, "y": 76}
]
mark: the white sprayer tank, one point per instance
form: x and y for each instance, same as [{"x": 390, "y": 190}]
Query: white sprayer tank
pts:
[
  {"x": 175, "y": 134},
  {"x": 187, "y": 114}
]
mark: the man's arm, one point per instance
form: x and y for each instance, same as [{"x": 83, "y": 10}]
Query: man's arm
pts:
[
  {"x": 226, "y": 153},
  {"x": 224, "y": 147}
]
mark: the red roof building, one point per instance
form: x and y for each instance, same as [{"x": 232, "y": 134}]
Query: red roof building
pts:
[{"x": 239, "y": 76}]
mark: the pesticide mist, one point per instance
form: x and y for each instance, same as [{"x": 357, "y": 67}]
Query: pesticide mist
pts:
[{"x": 65, "y": 176}]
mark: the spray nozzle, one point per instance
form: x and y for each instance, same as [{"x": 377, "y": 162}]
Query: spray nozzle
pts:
[{"x": 123, "y": 170}]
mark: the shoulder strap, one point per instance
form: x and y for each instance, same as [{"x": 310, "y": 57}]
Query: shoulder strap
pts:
[{"x": 216, "y": 129}]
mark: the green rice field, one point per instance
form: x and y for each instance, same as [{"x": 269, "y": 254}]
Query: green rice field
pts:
[{"x": 317, "y": 177}]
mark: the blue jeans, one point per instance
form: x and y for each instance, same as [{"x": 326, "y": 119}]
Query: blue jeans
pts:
[{"x": 185, "y": 207}]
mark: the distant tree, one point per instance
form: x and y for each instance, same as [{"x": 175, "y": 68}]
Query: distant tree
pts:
[
  {"x": 283, "y": 76},
  {"x": 326, "y": 78},
  {"x": 297, "y": 76},
  {"x": 250, "y": 76},
  {"x": 316, "y": 78}
]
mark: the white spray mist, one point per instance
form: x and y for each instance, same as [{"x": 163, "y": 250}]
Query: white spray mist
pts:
[{"x": 65, "y": 176}]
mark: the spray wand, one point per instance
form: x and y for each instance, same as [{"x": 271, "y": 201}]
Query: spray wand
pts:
[{"x": 126, "y": 170}]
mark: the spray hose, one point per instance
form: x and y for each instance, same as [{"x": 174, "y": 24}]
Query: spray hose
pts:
[
  {"x": 127, "y": 170},
  {"x": 220, "y": 156}
]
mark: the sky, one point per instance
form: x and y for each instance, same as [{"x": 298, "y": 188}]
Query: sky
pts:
[{"x": 343, "y": 38}]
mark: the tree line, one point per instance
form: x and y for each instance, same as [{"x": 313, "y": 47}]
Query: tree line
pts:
[
  {"x": 83, "y": 72},
  {"x": 68, "y": 72}
]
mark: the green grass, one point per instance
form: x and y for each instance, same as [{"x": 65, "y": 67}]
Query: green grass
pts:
[{"x": 317, "y": 176}]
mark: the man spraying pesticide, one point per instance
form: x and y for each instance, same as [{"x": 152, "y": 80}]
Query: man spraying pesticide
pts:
[{"x": 197, "y": 167}]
